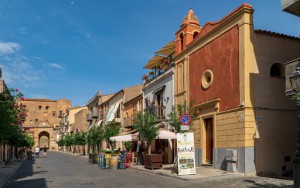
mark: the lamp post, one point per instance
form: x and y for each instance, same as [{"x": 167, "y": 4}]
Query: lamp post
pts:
[{"x": 295, "y": 83}]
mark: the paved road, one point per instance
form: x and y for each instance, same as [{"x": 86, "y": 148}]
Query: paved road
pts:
[{"x": 64, "y": 170}]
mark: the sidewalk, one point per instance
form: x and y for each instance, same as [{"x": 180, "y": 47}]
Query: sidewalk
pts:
[
  {"x": 202, "y": 173},
  {"x": 6, "y": 171}
]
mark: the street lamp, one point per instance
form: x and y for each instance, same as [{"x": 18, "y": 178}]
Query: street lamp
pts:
[{"x": 295, "y": 84}]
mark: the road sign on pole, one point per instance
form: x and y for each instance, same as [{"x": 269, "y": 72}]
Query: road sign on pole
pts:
[{"x": 185, "y": 120}]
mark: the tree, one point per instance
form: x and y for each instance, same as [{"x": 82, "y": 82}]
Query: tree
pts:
[
  {"x": 61, "y": 142},
  {"x": 80, "y": 139},
  {"x": 29, "y": 140},
  {"x": 111, "y": 129},
  {"x": 95, "y": 136},
  {"x": 145, "y": 125},
  {"x": 128, "y": 145},
  {"x": 175, "y": 115},
  {"x": 69, "y": 140},
  {"x": 11, "y": 116}
]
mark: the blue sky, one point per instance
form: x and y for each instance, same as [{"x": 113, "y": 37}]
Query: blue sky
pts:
[{"x": 73, "y": 48}]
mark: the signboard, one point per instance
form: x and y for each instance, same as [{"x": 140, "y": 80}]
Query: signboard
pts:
[
  {"x": 184, "y": 128},
  {"x": 185, "y": 120},
  {"x": 186, "y": 154}
]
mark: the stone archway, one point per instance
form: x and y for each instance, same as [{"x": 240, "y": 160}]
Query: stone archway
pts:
[{"x": 44, "y": 139}]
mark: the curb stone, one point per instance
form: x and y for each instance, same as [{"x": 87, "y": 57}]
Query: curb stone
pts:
[{"x": 221, "y": 177}]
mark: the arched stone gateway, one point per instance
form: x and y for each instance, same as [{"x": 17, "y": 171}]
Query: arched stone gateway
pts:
[{"x": 44, "y": 139}]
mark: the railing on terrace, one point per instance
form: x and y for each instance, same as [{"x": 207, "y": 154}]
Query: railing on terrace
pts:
[
  {"x": 94, "y": 114},
  {"x": 157, "y": 73},
  {"x": 158, "y": 111},
  {"x": 89, "y": 117}
]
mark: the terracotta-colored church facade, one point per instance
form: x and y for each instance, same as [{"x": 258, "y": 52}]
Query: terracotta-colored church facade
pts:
[{"x": 224, "y": 67}]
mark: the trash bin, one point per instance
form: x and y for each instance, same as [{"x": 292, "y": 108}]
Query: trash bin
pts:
[
  {"x": 121, "y": 162},
  {"x": 102, "y": 162}
]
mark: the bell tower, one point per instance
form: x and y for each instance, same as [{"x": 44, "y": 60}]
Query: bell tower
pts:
[{"x": 188, "y": 31}]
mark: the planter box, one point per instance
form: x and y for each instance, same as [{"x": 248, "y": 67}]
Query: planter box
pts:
[{"x": 153, "y": 161}]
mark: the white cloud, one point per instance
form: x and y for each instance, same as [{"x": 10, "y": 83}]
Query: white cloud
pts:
[
  {"x": 9, "y": 47},
  {"x": 18, "y": 70},
  {"x": 55, "y": 66},
  {"x": 23, "y": 30}
]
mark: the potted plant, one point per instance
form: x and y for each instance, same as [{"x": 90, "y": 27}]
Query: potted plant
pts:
[
  {"x": 145, "y": 77},
  {"x": 151, "y": 72},
  {"x": 145, "y": 124},
  {"x": 112, "y": 129},
  {"x": 128, "y": 146}
]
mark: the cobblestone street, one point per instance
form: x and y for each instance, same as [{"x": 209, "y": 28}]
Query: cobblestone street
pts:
[{"x": 64, "y": 170}]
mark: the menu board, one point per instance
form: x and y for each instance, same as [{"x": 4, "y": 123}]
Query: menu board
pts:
[{"x": 186, "y": 153}]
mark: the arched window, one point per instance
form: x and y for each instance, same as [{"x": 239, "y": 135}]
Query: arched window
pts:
[
  {"x": 195, "y": 34},
  {"x": 181, "y": 41},
  {"x": 277, "y": 70}
]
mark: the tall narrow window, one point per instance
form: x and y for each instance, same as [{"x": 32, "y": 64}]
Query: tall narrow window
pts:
[
  {"x": 195, "y": 34},
  {"x": 181, "y": 41},
  {"x": 180, "y": 78}
]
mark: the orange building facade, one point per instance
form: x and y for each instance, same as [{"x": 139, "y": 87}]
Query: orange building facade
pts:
[{"x": 233, "y": 72}]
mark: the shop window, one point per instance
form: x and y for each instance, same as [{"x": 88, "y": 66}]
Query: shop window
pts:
[{"x": 277, "y": 70}]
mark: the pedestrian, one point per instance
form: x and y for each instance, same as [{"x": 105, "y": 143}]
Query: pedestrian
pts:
[
  {"x": 37, "y": 151},
  {"x": 44, "y": 151},
  {"x": 29, "y": 154}
]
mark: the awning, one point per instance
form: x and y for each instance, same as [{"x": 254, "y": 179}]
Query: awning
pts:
[
  {"x": 159, "y": 89},
  {"x": 163, "y": 134},
  {"x": 168, "y": 49},
  {"x": 111, "y": 112},
  {"x": 123, "y": 138},
  {"x": 155, "y": 61}
]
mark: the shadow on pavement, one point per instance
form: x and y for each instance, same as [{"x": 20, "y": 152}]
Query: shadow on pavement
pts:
[
  {"x": 21, "y": 177},
  {"x": 254, "y": 184},
  {"x": 40, "y": 182}
]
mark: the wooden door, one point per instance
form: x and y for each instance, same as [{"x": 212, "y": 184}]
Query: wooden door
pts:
[{"x": 209, "y": 140}]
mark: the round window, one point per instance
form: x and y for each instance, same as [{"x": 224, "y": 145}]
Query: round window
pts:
[{"x": 207, "y": 79}]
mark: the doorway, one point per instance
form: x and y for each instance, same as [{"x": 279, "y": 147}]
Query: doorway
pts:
[
  {"x": 209, "y": 144},
  {"x": 44, "y": 141}
]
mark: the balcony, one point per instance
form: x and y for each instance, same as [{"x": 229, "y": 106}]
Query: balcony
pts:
[
  {"x": 60, "y": 114},
  {"x": 118, "y": 120},
  {"x": 89, "y": 117},
  {"x": 94, "y": 114},
  {"x": 158, "y": 111},
  {"x": 128, "y": 122}
]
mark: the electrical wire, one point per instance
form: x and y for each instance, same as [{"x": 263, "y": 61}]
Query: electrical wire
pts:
[{"x": 4, "y": 13}]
